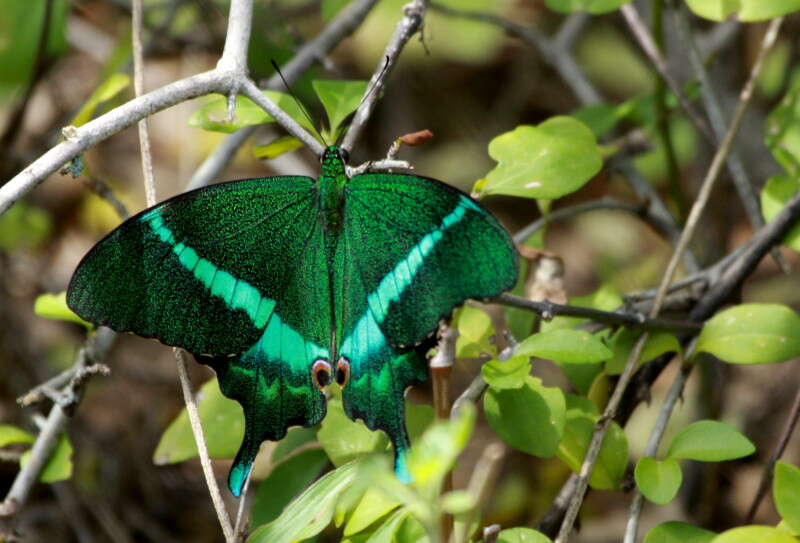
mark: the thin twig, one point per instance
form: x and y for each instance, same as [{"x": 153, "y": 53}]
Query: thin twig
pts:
[
  {"x": 688, "y": 232},
  {"x": 656, "y": 434},
  {"x": 769, "y": 468},
  {"x": 406, "y": 28},
  {"x": 741, "y": 181},
  {"x": 239, "y": 9},
  {"x": 639, "y": 29}
]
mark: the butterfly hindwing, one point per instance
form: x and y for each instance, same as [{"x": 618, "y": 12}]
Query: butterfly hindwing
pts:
[{"x": 413, "y": 249}]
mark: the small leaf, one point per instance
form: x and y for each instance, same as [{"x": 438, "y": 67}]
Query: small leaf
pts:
[
  {"x": 11, "y": 434},
  {"x": 623, "y": 341},
  {"x": 474, "y": 330},
  {"x": 280, "y": 146},
  {"x": 284, "y": 482},
  {"x": 59, "y": 467},
  {"x": 54, "y": 306},
  {"x": 223, "y": 425},
  {"x": 548, "y": 161},
  {"x": 340, "y": 99},
  {"x": 678, "y": 532},
  {"x": 459, "y": 502},
  {"x": 374, "y": 505},
  {"x": 612, "y": 460},
  {"x": 522, "y": 535},
  {"x": 746, "y": 10},
  {"x": 775, "y": 195},
  {"x": 511, "y": 373},
  {"x": 786, "y": 489},
  {"x": 753, "y": 534},
  {"x": 108, "y": 89},
  {"x": 782, "y": 132},
  {"x": 710, "y": 441},
  {"x": 530, "y": 418},
  {"x": 345, "y": 439},
  {"x": 659, "y": 480},
  {"x": 752, "y": 334},
  {"x": 435, "y": 453},
  {"x": 310, "y": 512},
  {"x": 570, "y": 346},
  {"x": 213, "y": 116},
  {"x": 595, "y": 7}
]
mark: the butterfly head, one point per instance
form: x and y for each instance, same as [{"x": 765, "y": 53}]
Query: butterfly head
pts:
[{"x": 333, "y": 160}]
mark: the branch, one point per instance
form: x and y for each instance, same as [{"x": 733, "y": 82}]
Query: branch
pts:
[
  {"x": 686, "y": 235},
  {"x": 342, "y": 26},
  {"x": 547, "y": 310},
  {"x": 407, "y": 27}
]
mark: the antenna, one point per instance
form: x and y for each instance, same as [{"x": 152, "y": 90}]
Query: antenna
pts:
[
  {"x": 299, "y": 103},
  {"x": 375, "y": 86}
]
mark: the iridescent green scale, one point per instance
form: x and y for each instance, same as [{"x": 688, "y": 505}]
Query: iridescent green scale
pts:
[{"x": 281, "y": 283}]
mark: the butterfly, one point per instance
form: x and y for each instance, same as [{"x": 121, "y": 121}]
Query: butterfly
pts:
[{"x": 285, "y": 284}]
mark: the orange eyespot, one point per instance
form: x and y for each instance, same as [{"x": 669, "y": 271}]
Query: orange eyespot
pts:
[
  {"x": 321, "y": 372},
  {"x": 342, "y": 371}
]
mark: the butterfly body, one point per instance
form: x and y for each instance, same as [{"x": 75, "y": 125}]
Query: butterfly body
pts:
[{"x": 284, "y": 284}]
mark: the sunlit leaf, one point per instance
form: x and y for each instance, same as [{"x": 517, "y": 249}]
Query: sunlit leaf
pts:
[
  {"x": 612, "y": 460},
  {"x": 710, "y": 441},
  {"x": 659, "y": 480},
  {"x": 550, "y": 160},
  {"x": 678, "y": 532},
  {"x": 786, "y": 490},
  {"x": 752, "y": 334},
  {"x": 565, "y": 345},
  {"x": 745, "y": 10},
  {"x": 522, "y": 535},
  {"x": 59, "y": 467},
  {"x": 340, "y": 99},
  {"x": 774, "y": 196},
  {"x": 594, "y": 7},
  {"x": 512, "y": 373},
  {"x": 753, "y": 534},
  {"x": 54, "y": 306}
]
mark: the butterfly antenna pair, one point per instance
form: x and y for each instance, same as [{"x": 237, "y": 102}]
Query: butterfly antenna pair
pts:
[{"x": 299, "y": 103}]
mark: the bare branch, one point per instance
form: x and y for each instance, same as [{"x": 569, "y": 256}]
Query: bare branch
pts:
[{"x": 407, "y": 27}]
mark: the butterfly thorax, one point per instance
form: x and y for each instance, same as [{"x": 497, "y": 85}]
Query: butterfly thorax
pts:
[{"x": 331, "y": 188}]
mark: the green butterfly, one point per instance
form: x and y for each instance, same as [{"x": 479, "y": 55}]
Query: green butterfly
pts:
[{"x": 283, "y": 284}]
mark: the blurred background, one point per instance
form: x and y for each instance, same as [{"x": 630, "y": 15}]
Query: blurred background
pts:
[{"x": 467, "y": 81}]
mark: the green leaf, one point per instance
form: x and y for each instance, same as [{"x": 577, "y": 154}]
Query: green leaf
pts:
[
  {"x": 24, "y": 226},
  {"x": 522, "y": 535},
  {"x": 310, "y": 512},
  {"x": 774, "y": 196},
  {"x": 752, "y": 334},
  {"x": 459, "y": 502},
  {"x": 374, "y": 505},
  {"x": 503, "y": 374},
  {"x": 786, "y": 489},
  {"x": 612, "y": 460},
  {"x": 435, "y": 453},
  {"x": 388, "y": 530},
  {"x": 783, "y": 131},
  {"x": 710, "y": 441},
  {"x": 284, "y": 482},
  {"x": 223, "y": 425},
  {"x": 54, "y": 306},
  {"x": 746, "y": 10},
  {"x": 340, "y": 99},
  {"x": 659, "y": 480},
  {"x": 296, "y": 437},
  {"x": 595, "y": 7},
  {"x": 344, "y": 439},
  {"x": 678, "y": 532},
  {"x": 475, "y": 328},
  {"x": 753, "y": 534},
  {"x": 623, "y": 341},
  {"x": 213, "y": 116},
  {"x": 570, "y": 346},
  {"x": 11, "y": 434},
  {"x": 280, "y": 146},
  {"x": 108, "y": 89},
  {"x": 550, "y": 160},
  {"x": 530, "y": 418},
  {"x": 59, "y": 467}
]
